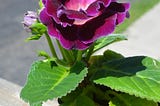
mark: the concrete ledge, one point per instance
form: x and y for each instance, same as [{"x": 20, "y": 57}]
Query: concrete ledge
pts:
[{"x": 9, "y": 95}]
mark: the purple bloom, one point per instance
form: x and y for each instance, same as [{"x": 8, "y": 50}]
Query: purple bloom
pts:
[
  {"x": 29, "y": 19},
  {"x": 78, "y": 23}
]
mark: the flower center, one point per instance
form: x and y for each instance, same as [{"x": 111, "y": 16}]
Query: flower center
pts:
[{"x": 78, "y": 4}]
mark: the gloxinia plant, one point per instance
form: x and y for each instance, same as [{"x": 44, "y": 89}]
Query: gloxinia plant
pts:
[{"x": 79, "y": 78}]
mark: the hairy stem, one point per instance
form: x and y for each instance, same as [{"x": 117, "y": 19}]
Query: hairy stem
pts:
[
  {"x": 52, "y": 49},
  {"x": 66, "y": 54},
  {"x": 90, "y": 52},
  {"x": 79, "y": 55}
]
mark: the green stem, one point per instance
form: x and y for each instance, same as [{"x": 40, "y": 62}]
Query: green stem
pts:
[
  {"x": 66, "y": 55},
  {"x": 52, "y": 49},
  {"x": 90, "y": 52},
  {"x": 71, "y": 55},
  {"x": 79, "y": 55},
  {"x": 118, "y": 96}
]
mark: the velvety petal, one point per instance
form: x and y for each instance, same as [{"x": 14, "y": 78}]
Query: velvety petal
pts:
[
  {"x": 127, "y": 6},
  {"x": 80, "y": 45},
  {"x": 69, "y": 32},
  {"x": 118, "y": 7},
  {"x": 64, "y": 19},
  {"x": 106, "y": 27},
  {"x": 52, "y": 7},
  {"x": 44, "y": 2},
  {"x": 114, "y": 0},
  {"x": 52, "y": 31},
  {"x": 73, "y": 14},
  {"x": 122, "y": 15},
  {"x": 78, "y": 4},
  {"x": 47, "y": 20},
  {"x": 75, "y": 17},
  {"x": 66, "y": 43},
  {"x": 94, "y": 8}
]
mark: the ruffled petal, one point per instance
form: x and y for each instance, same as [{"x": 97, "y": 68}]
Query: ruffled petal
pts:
[
  {"x": 52, "y": 31},
  {"x": 67, "y": 44},
  {"x": 121, "y": 16},
  {"x": 80, "y": 45},
  {"x": 95, "y": 8},
  {"x": 73, "y": 17},
  {"x": 47, "y": 20},
  {"x": 106, "y": 29},
  {"x": 78, "y": 4},
  {"x": 69, "y": 33},
  {"x": 44, "y": 2},
  {"x": 100, "y": 27},
  {"x": 52, "y": 7}
]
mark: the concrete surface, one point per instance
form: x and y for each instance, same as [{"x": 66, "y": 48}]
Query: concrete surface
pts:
[
  {"x": 143, "y": 37},
  {"x": 16, "y": 56},
  {"x": 9, "y": 95}
]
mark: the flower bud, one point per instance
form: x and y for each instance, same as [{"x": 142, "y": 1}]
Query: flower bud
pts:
[{"x": 30, "y": 18}]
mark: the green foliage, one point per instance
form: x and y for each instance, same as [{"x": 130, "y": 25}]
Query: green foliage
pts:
[
  {"x": 104, "y": 41},
  {"x": 37, "y": 30},
  {"x": 139, "y": 76},
  {"x": 128, "y": 100},
  {"x": 81, "y": 100},
  {"x": 46, "y": 82},
  {"x": 82, "y": 96},
  {"x": 43, "y": 54},
  {"x": 109, "y": 55}
]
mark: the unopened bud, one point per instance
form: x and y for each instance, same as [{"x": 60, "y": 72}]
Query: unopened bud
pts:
[{"x": 30, "y": 18}]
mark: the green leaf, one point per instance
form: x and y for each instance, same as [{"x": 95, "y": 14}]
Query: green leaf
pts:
[
  {"x": 96, "y": 61},
  {"x": 37, "y": 30},
  {"x": 107, "y": 56},
  {"x": 81, "y": 100},
  {"x": 104, "y": 41},
  {"x": 46, "y": 82},
  {"x": 34, "y": 37},
  {"x": 139, "y": 76},
  {"x": 43, "y": 54},
  {"x": 128, "y": 100}
]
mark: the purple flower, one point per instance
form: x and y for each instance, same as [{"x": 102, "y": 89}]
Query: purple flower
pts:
[
  {"x": 29, "y": 19},
  {"x": 78, "y": 23}
]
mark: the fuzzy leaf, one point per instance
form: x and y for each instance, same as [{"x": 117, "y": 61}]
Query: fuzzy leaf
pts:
[
  {"x": 104, "y": 41},
  {"x": 128, "y": 100},
  {"x": 139, "y": 76},
  {"x": 46, "y": 82}
]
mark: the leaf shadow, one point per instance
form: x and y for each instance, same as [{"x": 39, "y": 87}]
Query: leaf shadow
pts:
[{"x": 120, "y": 68}]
